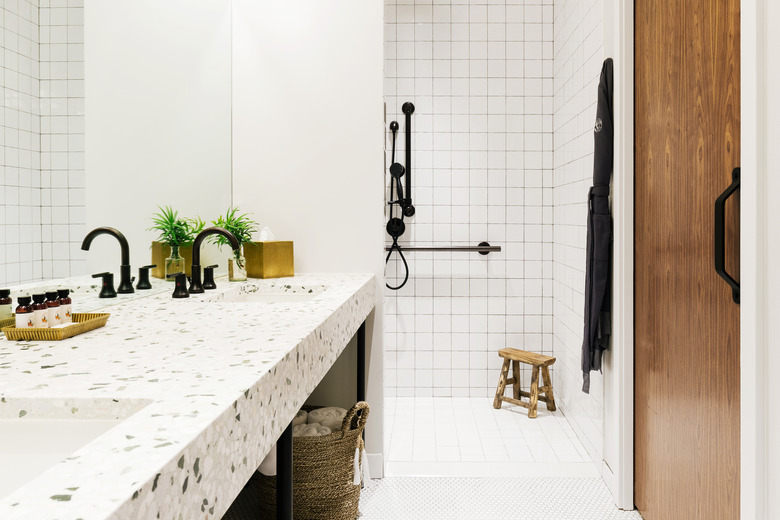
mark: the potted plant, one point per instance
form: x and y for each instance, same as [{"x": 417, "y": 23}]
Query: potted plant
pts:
[
  {"x": 242, "y": 228},
  {"x": 176, "y": 233}
]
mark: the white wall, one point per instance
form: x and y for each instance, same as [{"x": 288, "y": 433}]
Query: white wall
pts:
[
  {"x": 61, "y": 67},
  {"x": 42, "y": 146},
  {"x": 158, "y": 114},
  {"x": 579, "y": 52},
  {"x": 20, "y": 158},
  {"x": 480, "y": 76},
  {"x": 307, "y": 148}
]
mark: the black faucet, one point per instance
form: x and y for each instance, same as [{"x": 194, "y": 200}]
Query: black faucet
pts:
[
  {"x": 196, "y": 286},
  {"x": 125, "y": 283}
]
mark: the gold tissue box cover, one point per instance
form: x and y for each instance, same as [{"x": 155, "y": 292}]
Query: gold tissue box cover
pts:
[
  {"x": 271, "y": 259},
  {"x": 162, "y": 251}
]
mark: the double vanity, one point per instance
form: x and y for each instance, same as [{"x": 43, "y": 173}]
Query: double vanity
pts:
[{"x": 167, "y": 410}]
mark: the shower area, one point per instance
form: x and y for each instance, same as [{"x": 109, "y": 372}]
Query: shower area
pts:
[{"x": 504, "y": 97}]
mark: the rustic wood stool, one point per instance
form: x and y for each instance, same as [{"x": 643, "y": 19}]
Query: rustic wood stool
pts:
[{"x": 536, "y": 361}]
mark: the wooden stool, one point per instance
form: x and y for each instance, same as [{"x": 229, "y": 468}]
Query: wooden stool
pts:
[{"x": 536, "y": 361}]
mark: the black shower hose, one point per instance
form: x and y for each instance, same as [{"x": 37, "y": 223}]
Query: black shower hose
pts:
[{"x": 396, "y": 247}]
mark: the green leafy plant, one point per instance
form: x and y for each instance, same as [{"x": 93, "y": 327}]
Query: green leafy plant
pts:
[
  {"x": 196, "y": 226},
  {"x": 237, "y": 223},
  {"x": 173, "y": 230}
]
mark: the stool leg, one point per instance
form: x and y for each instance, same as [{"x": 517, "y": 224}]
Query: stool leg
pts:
[
  {"x": 534, "y": 391},
  {"x": 501, "y": 385},
  {"x": 549, "y": 392},
  {"x": 516, "y": 375}
]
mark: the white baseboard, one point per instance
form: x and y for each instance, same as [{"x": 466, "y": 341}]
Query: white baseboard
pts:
[{"x": 376, "y": 465}]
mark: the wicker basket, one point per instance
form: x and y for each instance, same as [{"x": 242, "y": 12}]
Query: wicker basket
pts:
[
  {"x": 323, "y": 472},
  {"x": 82, "y": 322}
]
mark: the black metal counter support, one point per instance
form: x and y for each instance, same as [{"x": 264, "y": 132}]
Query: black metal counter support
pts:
[
  {"x": 284, "y": 446},
  {"x": 284, "y": 475},
  {"x": 361, "y": 362}
]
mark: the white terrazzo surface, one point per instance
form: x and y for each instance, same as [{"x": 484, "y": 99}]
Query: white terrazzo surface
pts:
[{"x": 208, "y": 387}]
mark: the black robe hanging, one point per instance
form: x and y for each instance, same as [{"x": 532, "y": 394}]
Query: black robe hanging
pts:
[{"x": 598, "y": 272}]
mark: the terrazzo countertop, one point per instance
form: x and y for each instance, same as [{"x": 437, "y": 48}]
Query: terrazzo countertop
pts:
[
  {"x": 84, "y": 291},
  {"x": 207, "y": 386}
]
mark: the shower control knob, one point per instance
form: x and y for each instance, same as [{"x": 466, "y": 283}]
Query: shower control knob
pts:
[
  {"x": 395, "y": 227},
  {"x": 409, "y": 211},
  {"x": 397, "y": 170}
]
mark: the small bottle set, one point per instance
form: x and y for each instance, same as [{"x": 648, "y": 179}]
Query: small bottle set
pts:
[
  {"x": 45, "y": 310},
  {"x": 6, "y": 305}
]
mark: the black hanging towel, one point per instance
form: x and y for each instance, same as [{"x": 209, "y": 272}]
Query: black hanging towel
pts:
[{"x": 598, "y": 272}]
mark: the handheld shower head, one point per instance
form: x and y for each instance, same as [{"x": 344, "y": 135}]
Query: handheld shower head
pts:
[
  {"x": 394, "y": 126},
  {"x": 397, "y": 170}
]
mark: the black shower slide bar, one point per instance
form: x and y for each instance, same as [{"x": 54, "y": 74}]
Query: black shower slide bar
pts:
[
  {"x": 483, "y": 248},
  {"x": 408, "y": 208}
]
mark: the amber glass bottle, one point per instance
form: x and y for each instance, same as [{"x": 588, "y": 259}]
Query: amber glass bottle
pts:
[
  {"x": 24, "y": 315},
  {"x": 6, "y": 304},
  {"x": 53, "y": 308},
  {"x": 66, "y": 305},
  {"x": 40, "y": 311}
]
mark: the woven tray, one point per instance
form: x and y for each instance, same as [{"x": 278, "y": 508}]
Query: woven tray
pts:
[
  {"x": 82, "y": 322},
  {"x": 7, "y": 322}
]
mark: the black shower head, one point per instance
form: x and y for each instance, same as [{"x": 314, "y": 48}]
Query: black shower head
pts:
[{"x": 394, "y": 126}]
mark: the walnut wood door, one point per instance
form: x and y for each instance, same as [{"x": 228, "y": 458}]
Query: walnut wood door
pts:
[{"x": 686, "y": 416}]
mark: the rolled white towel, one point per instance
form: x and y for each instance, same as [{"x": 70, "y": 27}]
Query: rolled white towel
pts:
[
  {"x": 310, "y": 430},
  {"x": 268, "y": 466},
  {"x": 300, "y": 418},
  {"x": 332, "y": 417}
]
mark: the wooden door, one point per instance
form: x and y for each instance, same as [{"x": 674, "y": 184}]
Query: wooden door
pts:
[{"x": 686, "y": 417}]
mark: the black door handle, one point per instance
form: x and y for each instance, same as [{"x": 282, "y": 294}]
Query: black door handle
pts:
[{"x": 720, "y": 235}]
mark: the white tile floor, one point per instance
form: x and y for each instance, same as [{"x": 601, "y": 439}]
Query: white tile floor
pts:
[
  {"x": 467, "y": 437},
  {"x": 408, "y": 498}
]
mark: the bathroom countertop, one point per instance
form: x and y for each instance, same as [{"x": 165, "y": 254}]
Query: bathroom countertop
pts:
[
  {"x": 84, "y": 291},
  {"x": 207, "y": 387}
]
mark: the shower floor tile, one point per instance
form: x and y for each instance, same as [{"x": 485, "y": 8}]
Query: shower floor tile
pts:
[
  {"x": 467, "y": 437},
  {"x": 420, "y": 498}
]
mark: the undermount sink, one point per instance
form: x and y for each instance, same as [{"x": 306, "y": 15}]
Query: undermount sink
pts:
[
  {"x": 274, "y": 294},
  {"x": 31, "y": 445}
]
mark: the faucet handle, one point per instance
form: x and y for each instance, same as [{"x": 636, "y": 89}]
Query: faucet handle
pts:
[
  {"x": 180, "y": 291},
  {"x": 107, "y": 290},
  {"x": 208, "y": 277},
  {"x": 143, "y": 277}
]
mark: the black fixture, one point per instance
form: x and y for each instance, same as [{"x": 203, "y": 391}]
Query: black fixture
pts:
[
  {"x": 125, "y": 284},
  {"x": 408, "y": 109},
  {"x": 484, "y": 248},
  {"x": 720, "y": 235},
  {"x": 208, "y": 277},
  {"x": 107, "y": 288},
  {"x": 143, "y": 277},
  {"x": 403, "y": 198},
  {"x": 180, "y": 291},
  {"x": 395, "y": 225},
  {"x": 196, "y": 287}
]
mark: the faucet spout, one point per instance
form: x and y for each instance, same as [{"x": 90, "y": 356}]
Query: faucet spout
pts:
[
  {"x": 125, "y": 247},
  {"x": 125, "y": 284},
  {"x": 195, "y": 285}
]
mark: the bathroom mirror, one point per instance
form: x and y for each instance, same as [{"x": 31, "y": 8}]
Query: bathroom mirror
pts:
[{"x": 157, "y": 119}]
